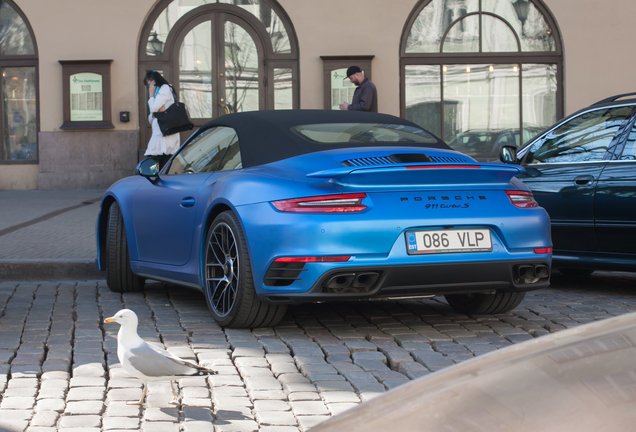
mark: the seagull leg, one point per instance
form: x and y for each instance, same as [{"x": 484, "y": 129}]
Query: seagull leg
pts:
[
  {"x": 141, "y": 399},
  {"x": 175, "y": 399}
]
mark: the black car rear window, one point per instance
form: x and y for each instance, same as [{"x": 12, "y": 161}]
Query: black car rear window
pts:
[{"x": 333, "y": 133}]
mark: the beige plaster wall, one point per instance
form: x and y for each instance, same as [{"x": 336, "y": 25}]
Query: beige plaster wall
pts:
[
  {"x": 596, "y": 36},
  {"x": 599, "y": 59},
  {"x": 85, "y": 30},
  {"x": 349, "y": 27}
]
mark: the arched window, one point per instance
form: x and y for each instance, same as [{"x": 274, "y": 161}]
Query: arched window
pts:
[
  {"x": 19, "y": 123},
  {"x": 221, "y": 56},
  {"x": 481, "y": 73}
]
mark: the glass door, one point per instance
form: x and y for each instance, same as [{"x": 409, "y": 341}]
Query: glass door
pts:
[{"x": 220, "y": 67}]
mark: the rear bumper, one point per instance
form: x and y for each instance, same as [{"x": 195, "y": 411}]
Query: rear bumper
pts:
[{"x": 419, "y": 280}]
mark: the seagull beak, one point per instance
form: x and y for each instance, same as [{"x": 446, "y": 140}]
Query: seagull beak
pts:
[{"x": 109, "y": 320}]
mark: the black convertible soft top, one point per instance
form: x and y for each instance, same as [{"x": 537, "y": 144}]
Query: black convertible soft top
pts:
[{"x": 266, "y": 136}]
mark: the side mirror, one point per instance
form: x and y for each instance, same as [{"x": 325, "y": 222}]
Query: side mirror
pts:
[
  {"x": 148, "y": 168},
  {"x": 508, "y": 154}
]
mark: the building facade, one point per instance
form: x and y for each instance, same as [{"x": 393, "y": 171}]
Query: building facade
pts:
[{"x": 74, "y": 111}]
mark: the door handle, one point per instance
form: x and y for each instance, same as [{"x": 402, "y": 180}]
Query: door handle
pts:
[
  {"x": 583, "y": 180},
  {"x": 187, "y": 202},
  {"x": 224, "y": 106}
]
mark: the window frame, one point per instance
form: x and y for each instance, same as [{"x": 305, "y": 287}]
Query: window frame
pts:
[
  {"x": 520, "y": 58},
  {"x": 25, "y": 60},
  {"x": 170, "y": 65}
]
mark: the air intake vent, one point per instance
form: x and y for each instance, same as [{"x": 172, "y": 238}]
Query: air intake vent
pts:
[
  {"x": 389, "y": 160},
  {"x": 448, "y": 159},
  {"x": 282, "y": 274},
  {"x": 371, "y": 161}
]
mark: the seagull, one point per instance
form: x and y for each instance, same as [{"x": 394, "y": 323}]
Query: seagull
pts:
[{"x": 147, "y": 362}]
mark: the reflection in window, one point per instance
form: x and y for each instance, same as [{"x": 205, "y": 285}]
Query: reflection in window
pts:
[
  {"x": 629, "y": 152},
  {"x": 526, "y": 20},
  {"x": 19, "y": 123},
  {"x": 266, "y": 15},
  {"x": 585, "y": 138},
  {"x": 195, "y": 71},
  {"x": 497, "y": 36},
  {"x": 539, "y": 96},
  {"x": 463, "y": 36},
  {"x": 232, "y": 158},
  {"x": 431, "y": 24},
  {"x": 504, "y": 99},
  {"x": 178, "y": 8},
  {"x": 423, "y": 97},
  {"x": 520, "y": 17},
  {"x": 15, "y": 38},
  {"x": 328, "y": 133},
  {"x": 204, "y": 153},
  {"x": 283, "y": 88},
  {"x": 241, "y": 69},
  {"x": 487, "y": 96},
  {"x": 18, "y": 65}
]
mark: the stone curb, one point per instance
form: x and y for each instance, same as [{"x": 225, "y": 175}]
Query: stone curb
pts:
[{"x": 49, "y": 270}]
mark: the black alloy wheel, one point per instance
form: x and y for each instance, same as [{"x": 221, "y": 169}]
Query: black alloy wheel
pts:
[{"x": 229, "y": 286}]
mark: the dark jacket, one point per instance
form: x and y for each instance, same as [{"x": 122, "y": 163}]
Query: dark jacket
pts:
[{"x": 365, "y": 98}]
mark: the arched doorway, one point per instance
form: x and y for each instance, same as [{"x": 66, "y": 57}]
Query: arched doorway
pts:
[
  {"x": 481, "y": 73},
  {"x": 222, "y": 57},
  {"x": 19, "y": 119}
]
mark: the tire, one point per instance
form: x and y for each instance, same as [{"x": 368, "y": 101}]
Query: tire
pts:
[
  {"x": 575, "y": 271},
  {"x": 482, "y": 304},
  {"x": 228, "y": 283},
  {"x": 119, "y": 275}
]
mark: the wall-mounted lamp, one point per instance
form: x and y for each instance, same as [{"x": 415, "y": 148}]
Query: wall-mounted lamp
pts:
[{"x": 155, "y": 46}]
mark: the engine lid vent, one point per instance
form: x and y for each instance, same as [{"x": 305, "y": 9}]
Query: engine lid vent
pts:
[
  {"x": 388, "y": 160},
  {"x": 449, "y": 159}
]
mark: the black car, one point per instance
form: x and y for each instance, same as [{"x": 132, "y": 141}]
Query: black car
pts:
[{"x": 583, "y": 172}]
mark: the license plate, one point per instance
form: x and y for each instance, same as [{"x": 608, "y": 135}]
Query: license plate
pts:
[{"x": 449, "y": 240}]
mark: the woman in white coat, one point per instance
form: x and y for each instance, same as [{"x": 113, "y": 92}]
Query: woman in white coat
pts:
[{"x": 161, "y": 97}]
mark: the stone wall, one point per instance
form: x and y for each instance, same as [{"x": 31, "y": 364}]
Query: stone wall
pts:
[{"x": 86, "y": 160}]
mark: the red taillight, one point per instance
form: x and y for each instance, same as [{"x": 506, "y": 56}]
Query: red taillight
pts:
[
  {"x": 314, "y": 259},
  {"x": 444, "y": 167},
  {"x": 323, "y": 204},
  {"x": 522, "y": 199},
  {"x": 543, "y": 250}
]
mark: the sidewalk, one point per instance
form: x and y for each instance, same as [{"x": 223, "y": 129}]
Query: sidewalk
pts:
[{"x": 48, "y": 235}]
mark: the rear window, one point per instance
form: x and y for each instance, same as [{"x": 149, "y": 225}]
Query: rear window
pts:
[{"x": 332, "y": 133}]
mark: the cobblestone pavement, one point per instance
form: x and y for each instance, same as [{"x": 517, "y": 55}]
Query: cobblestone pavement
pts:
[{"x": 59, "y": 368}]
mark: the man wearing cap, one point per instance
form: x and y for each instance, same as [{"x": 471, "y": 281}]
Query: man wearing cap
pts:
[{"x": 365, "y": 98}]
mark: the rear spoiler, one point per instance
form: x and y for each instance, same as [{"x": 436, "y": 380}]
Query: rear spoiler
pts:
[{"x": 421, "y": 174}]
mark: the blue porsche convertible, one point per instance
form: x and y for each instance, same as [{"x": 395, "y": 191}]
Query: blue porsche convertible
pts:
[{"x": 263, "y": 209}]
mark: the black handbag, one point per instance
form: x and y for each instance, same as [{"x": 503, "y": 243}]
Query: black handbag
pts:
[{"x": 174, "y": 119}]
